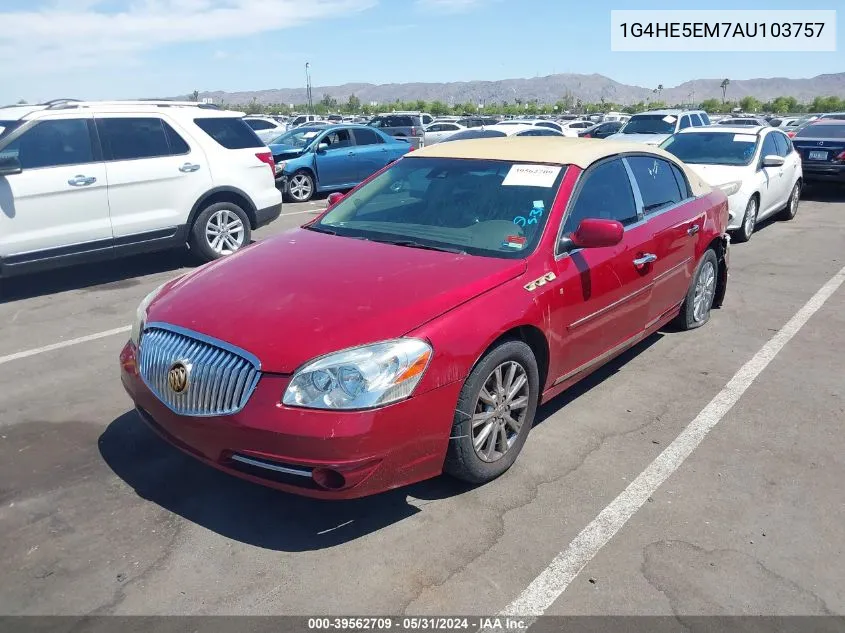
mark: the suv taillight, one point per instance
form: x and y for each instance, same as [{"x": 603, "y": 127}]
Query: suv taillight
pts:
[
  {"x": 413, "y": 131},
  {"x": 267, "y": 157}
]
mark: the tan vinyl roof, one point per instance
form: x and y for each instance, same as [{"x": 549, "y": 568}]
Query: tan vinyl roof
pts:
[{"x": 581, "y": 152}]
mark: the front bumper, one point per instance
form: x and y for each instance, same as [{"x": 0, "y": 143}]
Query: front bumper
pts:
[
  {"x": 323, "y": 454},
  {"x": 737, "y": 204}
]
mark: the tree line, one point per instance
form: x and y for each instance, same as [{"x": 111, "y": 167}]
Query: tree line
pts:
[{"x": 568, "y": 104}]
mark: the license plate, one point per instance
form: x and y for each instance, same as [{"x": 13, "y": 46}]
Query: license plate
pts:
[{"x": 818, "y": 156}]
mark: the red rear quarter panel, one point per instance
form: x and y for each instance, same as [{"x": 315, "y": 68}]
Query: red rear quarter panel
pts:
[{"x": 715, "y": 205}]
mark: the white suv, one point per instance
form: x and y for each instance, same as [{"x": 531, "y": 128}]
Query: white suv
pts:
[{"x": 86, "y": 181}]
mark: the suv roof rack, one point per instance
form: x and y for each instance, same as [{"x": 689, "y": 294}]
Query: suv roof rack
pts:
[
  {"x": 59, "y": 102},
  {"x": 54, "y": 104}
]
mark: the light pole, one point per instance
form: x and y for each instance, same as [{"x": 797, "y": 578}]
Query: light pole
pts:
[{"x": 308, "y": 88}]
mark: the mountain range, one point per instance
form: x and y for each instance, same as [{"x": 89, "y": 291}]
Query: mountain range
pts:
[{"x": 549, "y": 89}]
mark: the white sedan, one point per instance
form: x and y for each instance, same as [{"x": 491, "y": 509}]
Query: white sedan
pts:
[
  {"x": 757, "y": 168},
  {"x": 502, "y": 129},
  {"x": 552, "y": 125},
  {"x": 439, "y": 131},
  {"x": 265, "y": 128}
]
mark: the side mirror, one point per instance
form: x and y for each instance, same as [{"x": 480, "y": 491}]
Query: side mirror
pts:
[
  {"x": 596, "y": 233},
  {"x": 9, "y": 166},
  {"x": 773, "y": 161},
  {"x": 334, "y": 198},
  {"x": 322, "y": 147}
]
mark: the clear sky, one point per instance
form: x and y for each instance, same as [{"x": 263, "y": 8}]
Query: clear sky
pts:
[{"x": 136, "y": 48}]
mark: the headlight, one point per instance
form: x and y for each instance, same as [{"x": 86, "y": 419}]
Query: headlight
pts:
[
  {"x": 141, "y": 315},
  {"x": 360, "y": 378},
  {"x": 730, "y": 188}
]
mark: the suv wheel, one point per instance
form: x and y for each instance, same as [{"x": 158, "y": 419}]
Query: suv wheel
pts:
[{"x": 221, "y": 229}]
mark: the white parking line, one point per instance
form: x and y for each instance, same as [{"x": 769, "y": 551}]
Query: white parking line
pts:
[
  {"x": 553, "y": 581},
  {"x": 74, "y": 341},
  {"x": 299, "y": 212}
]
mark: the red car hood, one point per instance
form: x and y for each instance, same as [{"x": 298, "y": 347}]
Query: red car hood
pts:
[{"x": 302, "y": 294}]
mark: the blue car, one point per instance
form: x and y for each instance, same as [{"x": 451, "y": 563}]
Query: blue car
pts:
[{"x": 311, "y": 159}]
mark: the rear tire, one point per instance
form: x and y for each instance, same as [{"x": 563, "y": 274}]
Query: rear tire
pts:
[
  {"x": 221, "y": 229},
  {"x": 791, "y": 209},
  {"x": 495, "y": 413},
  {"x": 695, "y": 311}
]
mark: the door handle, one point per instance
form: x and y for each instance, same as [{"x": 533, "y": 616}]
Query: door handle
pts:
[
  {"x": 646, "y": 258},
  {"x": 189, "y": 167},
  {"x": 82, "y": 181},
  {"x": 693, "y": 229}
]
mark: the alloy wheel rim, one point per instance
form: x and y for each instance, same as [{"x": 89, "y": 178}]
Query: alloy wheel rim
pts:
[
  {"x": 300, "y": 187},
  {"x": 705, "y": 291},
  {"x": 751, "y": 216},
  {"x": 793, "y": 203},
  {"x": 500, "y": 411},
  {"x": 224, "y": 232}
]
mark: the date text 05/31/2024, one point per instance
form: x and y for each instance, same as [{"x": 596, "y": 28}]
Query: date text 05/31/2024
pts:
[
  {"x": 495, "y": 623},
  {"x": 722, "y": 29}
]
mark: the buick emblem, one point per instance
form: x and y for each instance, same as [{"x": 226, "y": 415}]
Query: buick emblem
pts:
[
  {"x": 177, "y": 377},
  {"x": 821, "y": 142}
]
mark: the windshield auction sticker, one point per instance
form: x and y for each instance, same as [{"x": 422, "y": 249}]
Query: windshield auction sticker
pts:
[
  {"x": 726, "y": 31},
  {"x": 531, "y": 176}
]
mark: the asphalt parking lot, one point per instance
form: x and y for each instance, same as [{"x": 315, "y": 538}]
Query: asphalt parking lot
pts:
[{"x": 98, "y": 516}]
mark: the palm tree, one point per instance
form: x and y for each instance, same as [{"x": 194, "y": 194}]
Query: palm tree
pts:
[
  {"x": 724, "y": 85},
  {"x": 659, "y": 91}
]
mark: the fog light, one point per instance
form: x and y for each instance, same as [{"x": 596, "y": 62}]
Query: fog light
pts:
[{"x": 328, "y": 478}]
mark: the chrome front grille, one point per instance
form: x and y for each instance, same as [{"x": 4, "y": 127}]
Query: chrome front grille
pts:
[{"x": 220, "y": 377}]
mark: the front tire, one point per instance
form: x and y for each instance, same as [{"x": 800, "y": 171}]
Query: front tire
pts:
[
  {"x": 749, "y": 221},
  {"x": 495, "y": 413},
  {"x": 791, "y": 209},
  {"x": 221, "y": 229},
  {"x": 300, "y": 187},
  {"x": 695, "y": 311}
]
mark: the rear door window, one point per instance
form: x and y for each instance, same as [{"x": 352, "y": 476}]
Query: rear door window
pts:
[
  {"x": 657, "y": 182},
  {"x": 685, "y": 122},
  {"x": 705, "y": 119},
  {"x": 366, "y": 137},
  {"x": 133, "y": 138},
  {"x": 230, "y": 132}
]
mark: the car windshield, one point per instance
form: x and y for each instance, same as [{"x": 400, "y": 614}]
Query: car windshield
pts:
[
  {"x": 712, "y": 148},
  {"x": 650, "y": 124},
  {"x": 299, "y": 138},
  {"x": 822, "y": 131},
  {"x": 479, "y": 207},
  {"x": 7, "y": 126}
]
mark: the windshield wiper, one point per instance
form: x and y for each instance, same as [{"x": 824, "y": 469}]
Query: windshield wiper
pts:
[
  {"x": 427, "y": 247},
  {"x": 320, "y": 229}
]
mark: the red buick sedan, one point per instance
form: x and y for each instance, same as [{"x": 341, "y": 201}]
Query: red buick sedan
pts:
[{"x": 414, "y": 327}]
